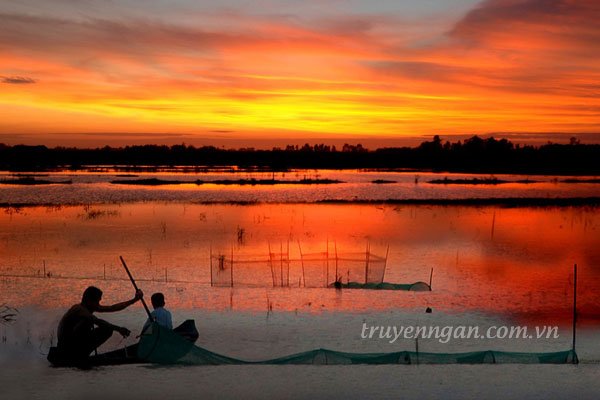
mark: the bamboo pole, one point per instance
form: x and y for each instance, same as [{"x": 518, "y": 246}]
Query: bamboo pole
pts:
[
  {"x": 417, "y": 348},
  {"x": 136, "y": 288},
  {"x": 430, "y": 278},
  {"x": 575, "y": 361},
  {"x": 367, "y": 265},
  {"x": 302, "y": 261},
  {"x": 385, "y": 263},
  {"x": 281, "y": 263},
  {"x": 327, "y": 262},
  {"x": 271, "y": 265},
  {"x": 337, "y": 277}
]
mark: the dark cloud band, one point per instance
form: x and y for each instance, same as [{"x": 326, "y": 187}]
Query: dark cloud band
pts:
[{"x": 17, "y": 80}]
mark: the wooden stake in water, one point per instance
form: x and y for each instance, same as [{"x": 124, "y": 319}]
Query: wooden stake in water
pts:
[
  {"x": 385, "y": 263},
  {"x": 430, "y": 278},
  {"x": 327, "y": 263},
  {"x": 271, "y": 265},
  {"x": 281, "y": 263},
  {"x": 337, "y": 277},
  {"x": 367, "y": 265},
  {"x": 302, "y": 261},
  {"x": 210, "y": 264},
  {"x": 417, "y": 348},
  {"x": 231, "y": 273},
  {"x": 574, "y": 310},
  {"x": 288, "y": 262}
]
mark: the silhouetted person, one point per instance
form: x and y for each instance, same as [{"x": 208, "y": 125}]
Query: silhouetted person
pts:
[
  {"x": 80, "y": 332},
  {"x": 160, "y": 314}
]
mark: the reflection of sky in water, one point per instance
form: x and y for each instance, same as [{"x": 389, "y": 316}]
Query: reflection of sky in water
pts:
[
  {"x": 96, "y": 187},
  {"x": 512, "y": 261}
]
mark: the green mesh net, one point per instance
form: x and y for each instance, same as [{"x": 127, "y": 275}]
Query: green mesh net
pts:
[
  {"x": 415, "y": 287},
  {"x": 316, "y": 269},
  {"x": 162, "y": 346}
]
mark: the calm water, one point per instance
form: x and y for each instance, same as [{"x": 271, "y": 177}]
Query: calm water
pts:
[
  {"x": 92, "y": 187},
  {"x": 491, "y": 266},
  {"x": 513, "y": 262}
]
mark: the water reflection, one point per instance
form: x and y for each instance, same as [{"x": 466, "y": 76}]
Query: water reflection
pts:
[
  {"x": 511, "y": 261},
  {"x": 94, "y": 187}
]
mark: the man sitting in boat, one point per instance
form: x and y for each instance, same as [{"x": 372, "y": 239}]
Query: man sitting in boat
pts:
[
  {"x": 160, "y": 314},
  {"x": 77, "y": 336}
]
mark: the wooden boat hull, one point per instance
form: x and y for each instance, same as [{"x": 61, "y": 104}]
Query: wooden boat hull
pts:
[{"x": 126, "y": 355}]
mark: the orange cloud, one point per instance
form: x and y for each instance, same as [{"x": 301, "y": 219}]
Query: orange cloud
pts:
[{"x": 507, "y": 66}]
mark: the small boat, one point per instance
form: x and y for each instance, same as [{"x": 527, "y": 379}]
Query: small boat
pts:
[{"x": 126, "y": 355}]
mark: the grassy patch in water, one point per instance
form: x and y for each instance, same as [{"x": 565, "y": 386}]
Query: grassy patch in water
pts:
[
  {"x": 158, "y": 182},
  {"x": 32, "y": 182}
]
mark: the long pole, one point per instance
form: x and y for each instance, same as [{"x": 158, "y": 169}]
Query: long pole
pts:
[
  {"x": 385, "y": 263},
  {"x": 430, "y": 278},
  {"x": 417, "y": 348},
  {"x": 337, "y": 278},
  {"x": 210, "y": 265},
  {"x": 574, "y": 310},
  {"x": 327, "y": 263},
  {"x": 271, "y": 264},
  {"x": 367, "y": 265},
  {"x": 281, "y": 263},
  {"x": 136, "y": 288},
  {"x": 302, "y": 260}
]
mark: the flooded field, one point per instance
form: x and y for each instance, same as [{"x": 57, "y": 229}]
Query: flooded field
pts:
[
  {"x": 353, "y": 185},
  {"x": 511, "y": 261},
  {"x": 489, "y": 265}
]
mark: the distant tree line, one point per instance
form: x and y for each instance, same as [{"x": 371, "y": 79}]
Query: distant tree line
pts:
[{"x": 471, "y": 155}]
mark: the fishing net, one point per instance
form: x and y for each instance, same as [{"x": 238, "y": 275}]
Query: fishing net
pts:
[
  {"x": 279, "y": 264},
  {"x": 414, "y": 287},
  {"x": 316, "y": 269},
  {"x": 363, "y": 267},
  {"x": 244, "y": 270},
  {"x": 162, "y": 346}
]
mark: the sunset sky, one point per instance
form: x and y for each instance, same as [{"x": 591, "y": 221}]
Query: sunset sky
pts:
[{"x": 234, "y": 72}]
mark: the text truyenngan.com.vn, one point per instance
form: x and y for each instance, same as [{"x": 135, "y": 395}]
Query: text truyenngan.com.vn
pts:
[{"x": 446, "y": 333}]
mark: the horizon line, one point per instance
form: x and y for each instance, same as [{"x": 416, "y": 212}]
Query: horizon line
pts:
[{"x": 91, "y": 140}]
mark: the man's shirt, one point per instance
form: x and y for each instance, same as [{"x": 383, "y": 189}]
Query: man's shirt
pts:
[{"x": 162, "y": 317}]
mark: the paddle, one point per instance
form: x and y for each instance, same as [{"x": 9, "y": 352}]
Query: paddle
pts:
[{"x": 136, "y": 288}]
